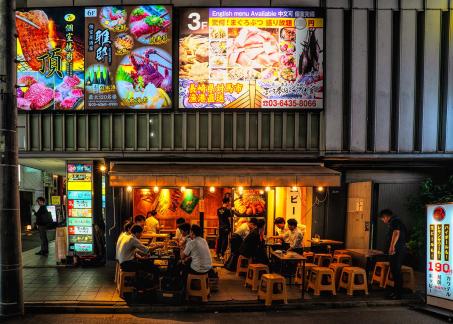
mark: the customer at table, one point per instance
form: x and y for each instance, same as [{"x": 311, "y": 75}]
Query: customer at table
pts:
[
  {"x": 128, "y": 249},
  {"x": 236, "y": 241},
  {"x": 396, "y": 247},
  {"x": 140, "y": 220},
  {"x": 124, "y": 234},
  {"x": 152, "y": 223},
  {"x": 294, "y": 237},
  {"x": 185, "y": 235},
  {"x": 252, "y": 245},
  {"x": 196, "y": 255},
  {"x": 179, "y": 222},
  {"x": 224, "y": 216},
  {"x": 280, "y": 225}
]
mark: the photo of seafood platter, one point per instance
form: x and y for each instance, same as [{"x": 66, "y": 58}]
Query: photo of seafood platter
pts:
[
  {"x": 251, "y": 58},
  {"x": 128, "y": 57},
  {"x": 50, "y": 55}
]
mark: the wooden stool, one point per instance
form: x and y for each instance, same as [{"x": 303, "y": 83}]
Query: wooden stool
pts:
[
  {"x": 340, "y": 252},
  {"x": 353, "y": 279},
  {"x": 380, "y": 273},
  {"x": 272, "y": 287},
  {"x": 342, "y": 258},
  {"x": 408, "y": 278},
  {"x": 121, "y": 285},
  {"x": 321, "y": 279},
  {"x": 202, "y": 290},
  {"x": 308, "y": 267},
  {"x": 254, "y": 274},
  {"x": 322, "y": 260},
  {"x": 310, "y": 257},
  {"x": 242, "y": 265},
  {"x": 337, "y": 268}
]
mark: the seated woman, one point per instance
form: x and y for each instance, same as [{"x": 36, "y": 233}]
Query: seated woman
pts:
[{"x": 196, "y": 255}]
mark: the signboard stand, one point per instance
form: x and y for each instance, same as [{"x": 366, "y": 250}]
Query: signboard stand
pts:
[{"x": 439, "y": 264}]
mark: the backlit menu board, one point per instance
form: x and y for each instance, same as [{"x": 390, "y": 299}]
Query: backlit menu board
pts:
[
  {"x": 439, "y": 267},
  {"x": 94, "y": 58},
  {"x": 80, "y": 199},
  {"x": 251, "y": 58}
]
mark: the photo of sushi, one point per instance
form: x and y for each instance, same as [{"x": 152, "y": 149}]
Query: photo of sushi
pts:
[
  {"x": 113, "y": 18},
  {"x": 144, "y": 79},
  {"x": 150, "y": 24}
]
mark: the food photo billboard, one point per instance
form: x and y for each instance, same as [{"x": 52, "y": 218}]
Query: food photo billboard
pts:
[
  {"x": 251, "y": 58},
  {"x": 108, "y": 57}
]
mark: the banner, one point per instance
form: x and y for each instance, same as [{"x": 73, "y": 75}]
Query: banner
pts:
[
  {"x": 94, "y": 58},
  {"x": 251, "y": 58}
]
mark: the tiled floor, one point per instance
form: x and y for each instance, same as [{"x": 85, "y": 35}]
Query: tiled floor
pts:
[{"x": 30, "y": 259}]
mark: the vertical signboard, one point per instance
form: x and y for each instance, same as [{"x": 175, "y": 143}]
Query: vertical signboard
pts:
[
  {"x": 439, "y": 264},
  {"x": 80, "y": 203}
]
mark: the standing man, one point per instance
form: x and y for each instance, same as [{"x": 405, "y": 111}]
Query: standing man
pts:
[
  {"x": 224, "y": 215},
  {"x": 43, "y": 219},
  {"x": 396, "y": 245}
]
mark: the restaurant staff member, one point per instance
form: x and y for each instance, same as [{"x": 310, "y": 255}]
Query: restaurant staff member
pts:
[
  {"x": 224, "y": 215},
  {"x": 127, "y": 249},
  {"x": 152, "y": 223},
  {"x": 396, "y": 244}
]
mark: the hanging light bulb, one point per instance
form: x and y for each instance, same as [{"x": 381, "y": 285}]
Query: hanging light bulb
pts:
[
  {"x": 183, "y": 189},
  {"x": 294, "y": 188},
  {"x": 129, "y": 188},
  {"x": 241, "y": 190},
  {"x": 212, "y": 189},
  {"x": 156, "y": 189},
  {"x": 261, "y": 192},
  {"x": 267, "y": 189},
  {"x": 320, "y": 189},
  {"x": 103, "y": 168}
]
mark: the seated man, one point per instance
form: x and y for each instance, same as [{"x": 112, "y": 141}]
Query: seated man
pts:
[
  {"x": 236, "y": 241},
  {"x": 197, "y": 253},
  {"x": 129, "y": 246},
  {"x": 179, "y": 222},
  {"x": 140, "y": 220},
  {"x": 249, "y": 248},
  {"x": 185, "y": 237},
  {"x": 124, "y": 234},
  {"x": 152, "y": 223}
]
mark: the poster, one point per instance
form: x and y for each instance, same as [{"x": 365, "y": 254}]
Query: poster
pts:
[
  {"x": 79, "y": 193},
  {"x": 251, "y": 58},
  {"x": 108, "y": 57},
  {"x": 128, "y": 57},
  {"x": 50, "y": 55},
  {"x": 438, "y": 258},
  {"x": 249, "y": 202}
]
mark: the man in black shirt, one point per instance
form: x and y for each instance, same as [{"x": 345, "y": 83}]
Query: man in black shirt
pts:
[
  {"x": 42, "y": 221},
  {"x": 396, "y": 247},
  {"x": 224, "y": 214}
]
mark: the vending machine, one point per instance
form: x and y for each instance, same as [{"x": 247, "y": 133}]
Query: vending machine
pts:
[{"x": 439, "y": 263}]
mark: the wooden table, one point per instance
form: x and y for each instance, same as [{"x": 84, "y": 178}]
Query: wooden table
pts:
[
  {"x": 365, "y": 258},
  {"x": 292, "y": 257},
  {"x": 366, "y": 253},
  {"x": 324, "y": 242}
]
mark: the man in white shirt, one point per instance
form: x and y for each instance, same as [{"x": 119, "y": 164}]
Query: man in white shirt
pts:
[
  {"x": 126, "y": 228},
  {"x": 294, "y": 236},
  {"x": 197, "y": 251},
  {"x": 127, "y": 249},
  {"x": 152, "y": 223}
]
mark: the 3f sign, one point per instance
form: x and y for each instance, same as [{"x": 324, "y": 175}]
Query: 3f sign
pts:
[{"x": 196, "y": 23}]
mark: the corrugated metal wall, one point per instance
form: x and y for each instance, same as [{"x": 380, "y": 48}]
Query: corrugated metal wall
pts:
[{"x": 389, "y": 89}]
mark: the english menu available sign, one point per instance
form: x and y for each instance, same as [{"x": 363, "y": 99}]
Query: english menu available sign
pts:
[
  {"x": 94, "y": 58},
  {"x": 439, "y": 265},
  {"x": 251, "y": 58}
]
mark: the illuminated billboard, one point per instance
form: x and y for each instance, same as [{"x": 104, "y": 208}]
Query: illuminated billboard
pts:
[
  {"x": 251, "y": 58},
  {"x": 94, "y": 58}
]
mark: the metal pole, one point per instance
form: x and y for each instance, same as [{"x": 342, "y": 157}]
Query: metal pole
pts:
[{"x": 11, "y": 298}]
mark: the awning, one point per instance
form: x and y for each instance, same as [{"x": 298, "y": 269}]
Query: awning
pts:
[{"x": 218, "y": 175}]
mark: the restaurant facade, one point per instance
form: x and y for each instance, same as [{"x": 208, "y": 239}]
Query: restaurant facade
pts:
[{"x": 379, "y": 122}]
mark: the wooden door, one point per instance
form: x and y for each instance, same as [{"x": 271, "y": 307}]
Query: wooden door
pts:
[{"x": 358, "y": 222}]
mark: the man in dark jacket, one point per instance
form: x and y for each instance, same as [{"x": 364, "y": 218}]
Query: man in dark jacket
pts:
[
  {"x": 396, "y": 247},
  {"x": 253, "y": 246},
  {"x": 42, "y": 222}
]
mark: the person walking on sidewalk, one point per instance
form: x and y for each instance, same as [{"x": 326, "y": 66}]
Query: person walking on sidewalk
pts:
[
  {"x": 43, "y": 220},
  {"x": 396, "y": 244}
]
